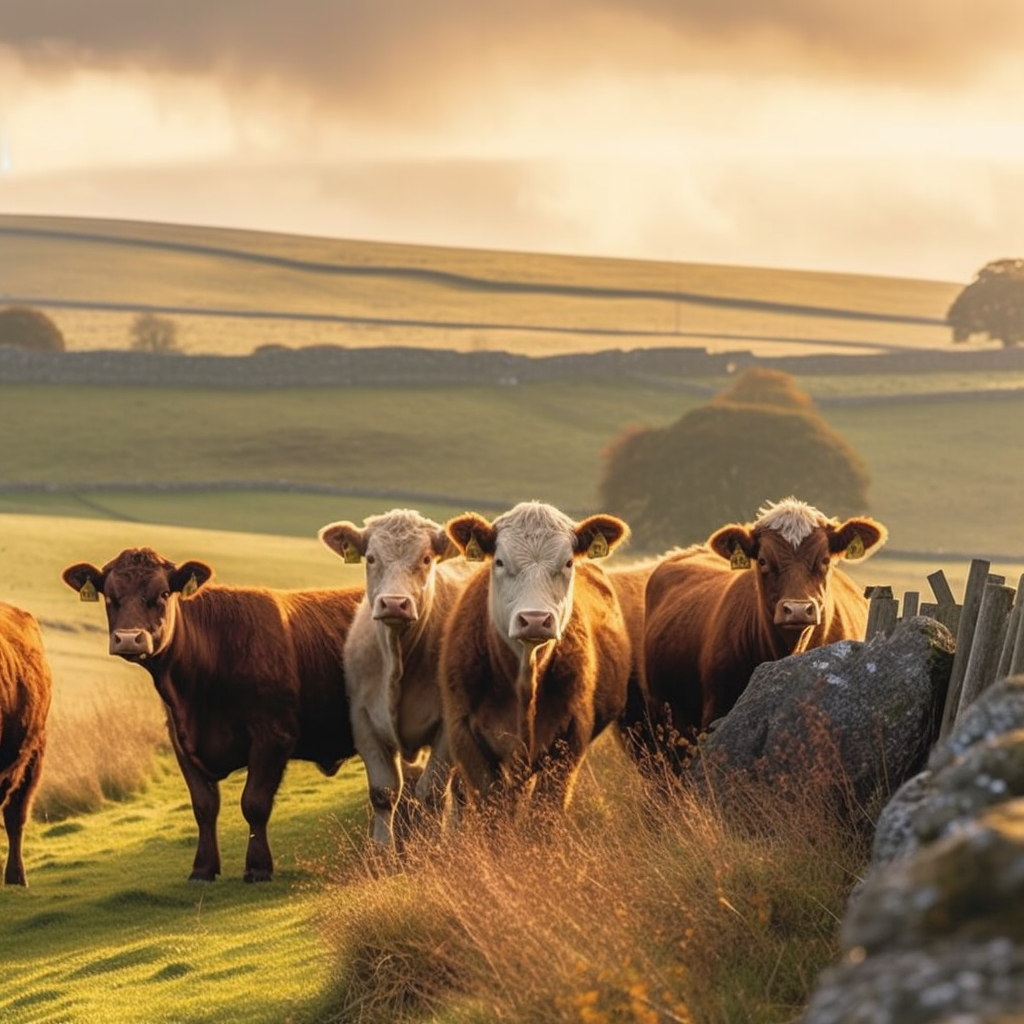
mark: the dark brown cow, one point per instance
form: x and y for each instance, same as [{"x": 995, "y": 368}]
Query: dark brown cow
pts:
[
  {"x": 25, "y": 690},
  {"x": 753, "y": 593},
  {"x": 250, "y": 678},
  {"x": 536, "y": 657}
]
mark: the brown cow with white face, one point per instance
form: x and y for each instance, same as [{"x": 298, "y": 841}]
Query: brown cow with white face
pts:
[
  {"x": 753, "y": 593},
  {"x": 250, "y": 678},
  {"x": 536, "y": 657},
  {"x": 392, "y": 653},
  {"x": 25, "y": 689}
]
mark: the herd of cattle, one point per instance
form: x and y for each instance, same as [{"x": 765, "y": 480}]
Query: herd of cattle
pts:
[{"x": 497, "y": 650}]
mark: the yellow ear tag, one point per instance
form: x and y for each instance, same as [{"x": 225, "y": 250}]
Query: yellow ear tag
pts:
[
  {"x": 350, "y": 553},
  {"x": 190, "y": 587},
  {"x": 739, "y": 558},
  {"x": 88, "y": 592},
  {"x": 474, "y": 553},
  {"x": 598, "y": 546},
  {"x": 855, "y": 549}
]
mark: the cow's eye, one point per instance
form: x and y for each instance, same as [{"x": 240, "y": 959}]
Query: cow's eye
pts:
[
  {"x": 763, "y": 563},
  {"x": 499, "y": 563},
  {"x": 370, "y": 559},
  {"x": 427, "y": 559},
  {"x": 568, "y": 564}
]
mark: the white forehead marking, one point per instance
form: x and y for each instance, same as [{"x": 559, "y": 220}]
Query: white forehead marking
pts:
[
  {"x": 794, "y": 519},
  {"x": 394, "y": 533},
  {"x": 533, "y": 522}
]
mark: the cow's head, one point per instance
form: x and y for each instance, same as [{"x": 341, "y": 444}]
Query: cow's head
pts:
[
  {"x": 401, "y": 549},
  {"x": 140, "y": 589},
  {"x": 533, "y": 550},
  {"x": 792, "y": 548}
]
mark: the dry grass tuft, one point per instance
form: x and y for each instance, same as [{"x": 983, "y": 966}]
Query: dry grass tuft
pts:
[
  {"x": 636, "y": 908},
  {"x": 99, "y": 749}
]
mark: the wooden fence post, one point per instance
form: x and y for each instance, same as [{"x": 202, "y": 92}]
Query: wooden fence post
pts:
[
  {"x": 986, "y": 645},
  {"x": 1012, "y": 629},
  {"x": 977, "y": 578},
  {"x": 882, "y": 610},
  {"x": 911, "y": 603}
]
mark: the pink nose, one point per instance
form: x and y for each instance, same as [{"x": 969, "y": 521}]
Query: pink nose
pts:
[
  {"x": 538, "y": 626},
  {"x": 790, "y": 612},
  {"x": 392, "y": 606},
  {"x": 131, "y": 642}
]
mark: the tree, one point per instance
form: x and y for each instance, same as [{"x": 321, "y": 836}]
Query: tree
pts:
[
  {"x": 24, "y": 327},
  {"x": 762, "y": 439},
  {"x": 152, "y": 333},
  {"x": 992, "y": 304}
]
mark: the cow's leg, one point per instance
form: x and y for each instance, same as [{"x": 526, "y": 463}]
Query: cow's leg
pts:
[
  {"x": 266, "y": 769},
  {"x": 15, "y": 814},
  {"x": 204, "y": 793},
  {"x": 432, "y": 787}
]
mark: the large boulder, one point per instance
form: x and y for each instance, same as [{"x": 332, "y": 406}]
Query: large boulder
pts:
[
  {"x": 936, "y": 931},
  {"x": 854, "y": 719}
]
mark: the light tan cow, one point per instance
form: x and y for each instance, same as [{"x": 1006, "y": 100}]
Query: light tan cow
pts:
[
  {"x": 392, "y": 653},
  {"x": 536, "y": 657}
]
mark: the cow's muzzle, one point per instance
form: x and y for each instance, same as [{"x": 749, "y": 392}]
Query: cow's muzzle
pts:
[
  {"x": 797, "y": 612},
  {"x": 395, "y": 609},
  {"x": 534, "y": 627},
  {"x": 133, "y": 644}
]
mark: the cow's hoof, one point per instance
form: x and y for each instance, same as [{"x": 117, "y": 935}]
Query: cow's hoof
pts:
[
  {"x": 202, "y": 876},
  {"x": 258, "y": 876}
]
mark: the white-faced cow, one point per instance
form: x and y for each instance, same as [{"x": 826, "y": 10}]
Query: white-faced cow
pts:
[
  {"x": 753, "y": 593},
  {"x": 250, "y": 678},
  {"x": 25, "y": 689},
  {"x": 392, "y": 653},
  {"x": 536, "y": 657}
]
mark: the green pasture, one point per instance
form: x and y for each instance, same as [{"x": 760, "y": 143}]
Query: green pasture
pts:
[
  {"x": 186, "y": 270},
  {"x": 111, "y": 931},
  {"x": 944, "y": 467}
]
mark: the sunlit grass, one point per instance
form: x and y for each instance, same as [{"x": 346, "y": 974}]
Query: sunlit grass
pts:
[{"x": 632, "y": 909}]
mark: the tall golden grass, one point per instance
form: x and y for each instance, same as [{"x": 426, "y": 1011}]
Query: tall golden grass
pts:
[
  {"x": 99, "y": 748},
  {"x": 640, "y": 906}
]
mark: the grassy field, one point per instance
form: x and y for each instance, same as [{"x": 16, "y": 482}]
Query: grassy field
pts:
[
  {"x": 448, "y": 298},
  {"x": 945, "y": 472}
]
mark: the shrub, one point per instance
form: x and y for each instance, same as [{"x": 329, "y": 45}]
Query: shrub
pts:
[
  {"x": 762, "y": 439},
  {"x": 24, "y": 327}
]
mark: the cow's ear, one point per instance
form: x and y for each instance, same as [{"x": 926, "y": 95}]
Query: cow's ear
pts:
[
  {"x": 473, "y": 535},
  {"x": 444, "y": 547},
  {"x": 857, "y": 537},
  {"x": 738, "y": 545},
  {"x": 345, "y": 539},
  {"x": 598, "y": 536},
  {"x": 84, "y": 578},
  {"x": 188, "y": 577}
]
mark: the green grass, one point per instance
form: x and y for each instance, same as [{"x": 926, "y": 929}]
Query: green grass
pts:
[
  {"x": 945, "y": 476},
  {"x": 110, "y": 930}
]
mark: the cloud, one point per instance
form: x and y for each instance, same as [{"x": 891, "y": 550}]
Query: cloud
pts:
[{"x": 401, "y": 57}]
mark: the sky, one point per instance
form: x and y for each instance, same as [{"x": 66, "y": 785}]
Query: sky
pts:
[{"x": 881, "y": 137}]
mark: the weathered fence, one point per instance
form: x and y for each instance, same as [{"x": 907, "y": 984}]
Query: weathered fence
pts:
[{"x": 988, "y": 625}]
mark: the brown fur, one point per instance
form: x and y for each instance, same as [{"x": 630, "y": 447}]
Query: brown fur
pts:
[
  {"x": 250, "y": 678},
  {"x": 708, "y": 626},
  {"x": 503, "y": 749},
  {"x": 25, "y": 690}
]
